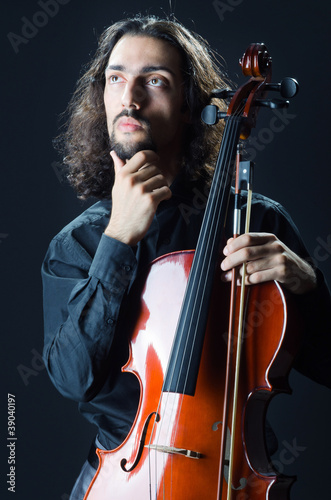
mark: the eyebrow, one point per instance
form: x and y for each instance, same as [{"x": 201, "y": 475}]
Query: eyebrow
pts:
[{"x": 145, "y": 69}]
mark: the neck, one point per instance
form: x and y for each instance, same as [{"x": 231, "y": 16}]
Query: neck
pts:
[
  {"x": 170, "y": 169},
  {"x": 170, "y": 162}
]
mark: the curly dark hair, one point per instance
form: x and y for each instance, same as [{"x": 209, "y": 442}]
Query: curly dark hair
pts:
[{"x": 85, "y": 143}]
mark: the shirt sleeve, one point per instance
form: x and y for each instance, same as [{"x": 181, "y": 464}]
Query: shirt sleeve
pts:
[{"x": 82, "y": 299}]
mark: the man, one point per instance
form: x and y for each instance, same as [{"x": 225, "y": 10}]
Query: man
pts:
[{"x": 135, "y": 140}]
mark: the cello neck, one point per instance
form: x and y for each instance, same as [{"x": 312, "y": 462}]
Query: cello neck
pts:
[{"x": 185, "y": 357}]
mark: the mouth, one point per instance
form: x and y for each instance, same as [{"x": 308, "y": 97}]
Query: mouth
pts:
[{"x": 127, "y": 124}]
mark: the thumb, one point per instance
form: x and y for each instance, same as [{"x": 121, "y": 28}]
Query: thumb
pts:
[{"x": 118, "y": 163}]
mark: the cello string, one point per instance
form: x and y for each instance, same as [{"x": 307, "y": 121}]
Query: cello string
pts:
[
  {"x": 211, "y": 235},
  {"x": 204, "y": 236},
  {"x": 193, "y": 297},
  {"x": 165, "y": 398},
  {"x": 218, "y": 192},
  {"x": 196, "y": 275},
  {"x": 213, "y": 213},
  {"x": 226, "y": 138}
]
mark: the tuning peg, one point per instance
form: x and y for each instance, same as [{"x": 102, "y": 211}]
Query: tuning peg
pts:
[
  {"x": 272, "y": 103},
  {"x": 288, "y": 87},
  {"x": 222, "y": 93},
  {"x": 211, "y": 114}
]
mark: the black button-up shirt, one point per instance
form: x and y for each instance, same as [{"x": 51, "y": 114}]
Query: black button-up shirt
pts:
[{"x": 87, "y": 278}]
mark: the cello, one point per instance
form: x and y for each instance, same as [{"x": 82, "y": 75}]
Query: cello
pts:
[{"x": 207, "y": 361}]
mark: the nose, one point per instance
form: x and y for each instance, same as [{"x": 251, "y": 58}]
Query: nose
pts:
[{"x": 134, "y": 95}]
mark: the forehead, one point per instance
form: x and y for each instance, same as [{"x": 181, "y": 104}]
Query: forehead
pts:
[{"x": 136, "y": 52}]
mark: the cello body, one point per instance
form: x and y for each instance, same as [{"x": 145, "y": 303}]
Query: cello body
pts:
[{"x": 173, "y": 449}]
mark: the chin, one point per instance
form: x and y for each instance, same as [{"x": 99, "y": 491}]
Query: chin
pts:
[{"x": 126, "y": 150}]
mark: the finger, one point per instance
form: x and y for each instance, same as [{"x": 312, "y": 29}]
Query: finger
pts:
[
  {"x": 240, "y": 256},
  {"x": 260, "y": 276},
  {"x": 118, "y": 163},
  {"x": 235, "y": 259},
  {"x": 161, "y": 194},
  {"x": 141, "y": 159},
  {"x": 226, "y": 276},
  {"x": 249, "y": 279},
  {"x": 276, "y": 267},
  {"x": 269, "y": 250},
  {"x": 147, "y": 172},
  {"x": 226, "y": 248},
  {"x": 254, "y": 266},
  {"x": 229, "y": 276},
  {"x": 155, "y": 182},
  {"x": 248, "y": 240}
]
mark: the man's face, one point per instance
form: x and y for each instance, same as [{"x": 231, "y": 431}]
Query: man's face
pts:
[{"x": 143, "y": 97}]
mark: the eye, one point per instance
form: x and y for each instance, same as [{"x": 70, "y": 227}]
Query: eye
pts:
[
  {"x": 115, "y": 79},
  {"x": 155, "y": 82}
]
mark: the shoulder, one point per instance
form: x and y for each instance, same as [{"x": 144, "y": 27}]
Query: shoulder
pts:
[
  {"x": 95, "y": 216},
  {"x": 269, "y": 216},
  {"x": 267, "y": 209},
  {"x": 265, "y": 203},
  {"x": 80, "y": 238}
]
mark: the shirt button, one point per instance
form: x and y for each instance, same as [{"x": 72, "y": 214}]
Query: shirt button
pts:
[
  {"x": 110, "y": 321},
  {"x": 126, "y": 267},
  {"x": 166, "y": 241}
]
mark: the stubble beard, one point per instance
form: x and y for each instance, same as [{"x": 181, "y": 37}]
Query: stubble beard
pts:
[{"x": 127, "y": 149}]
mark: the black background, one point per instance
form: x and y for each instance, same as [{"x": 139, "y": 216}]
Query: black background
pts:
[{"x": 37, "y": 79}]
